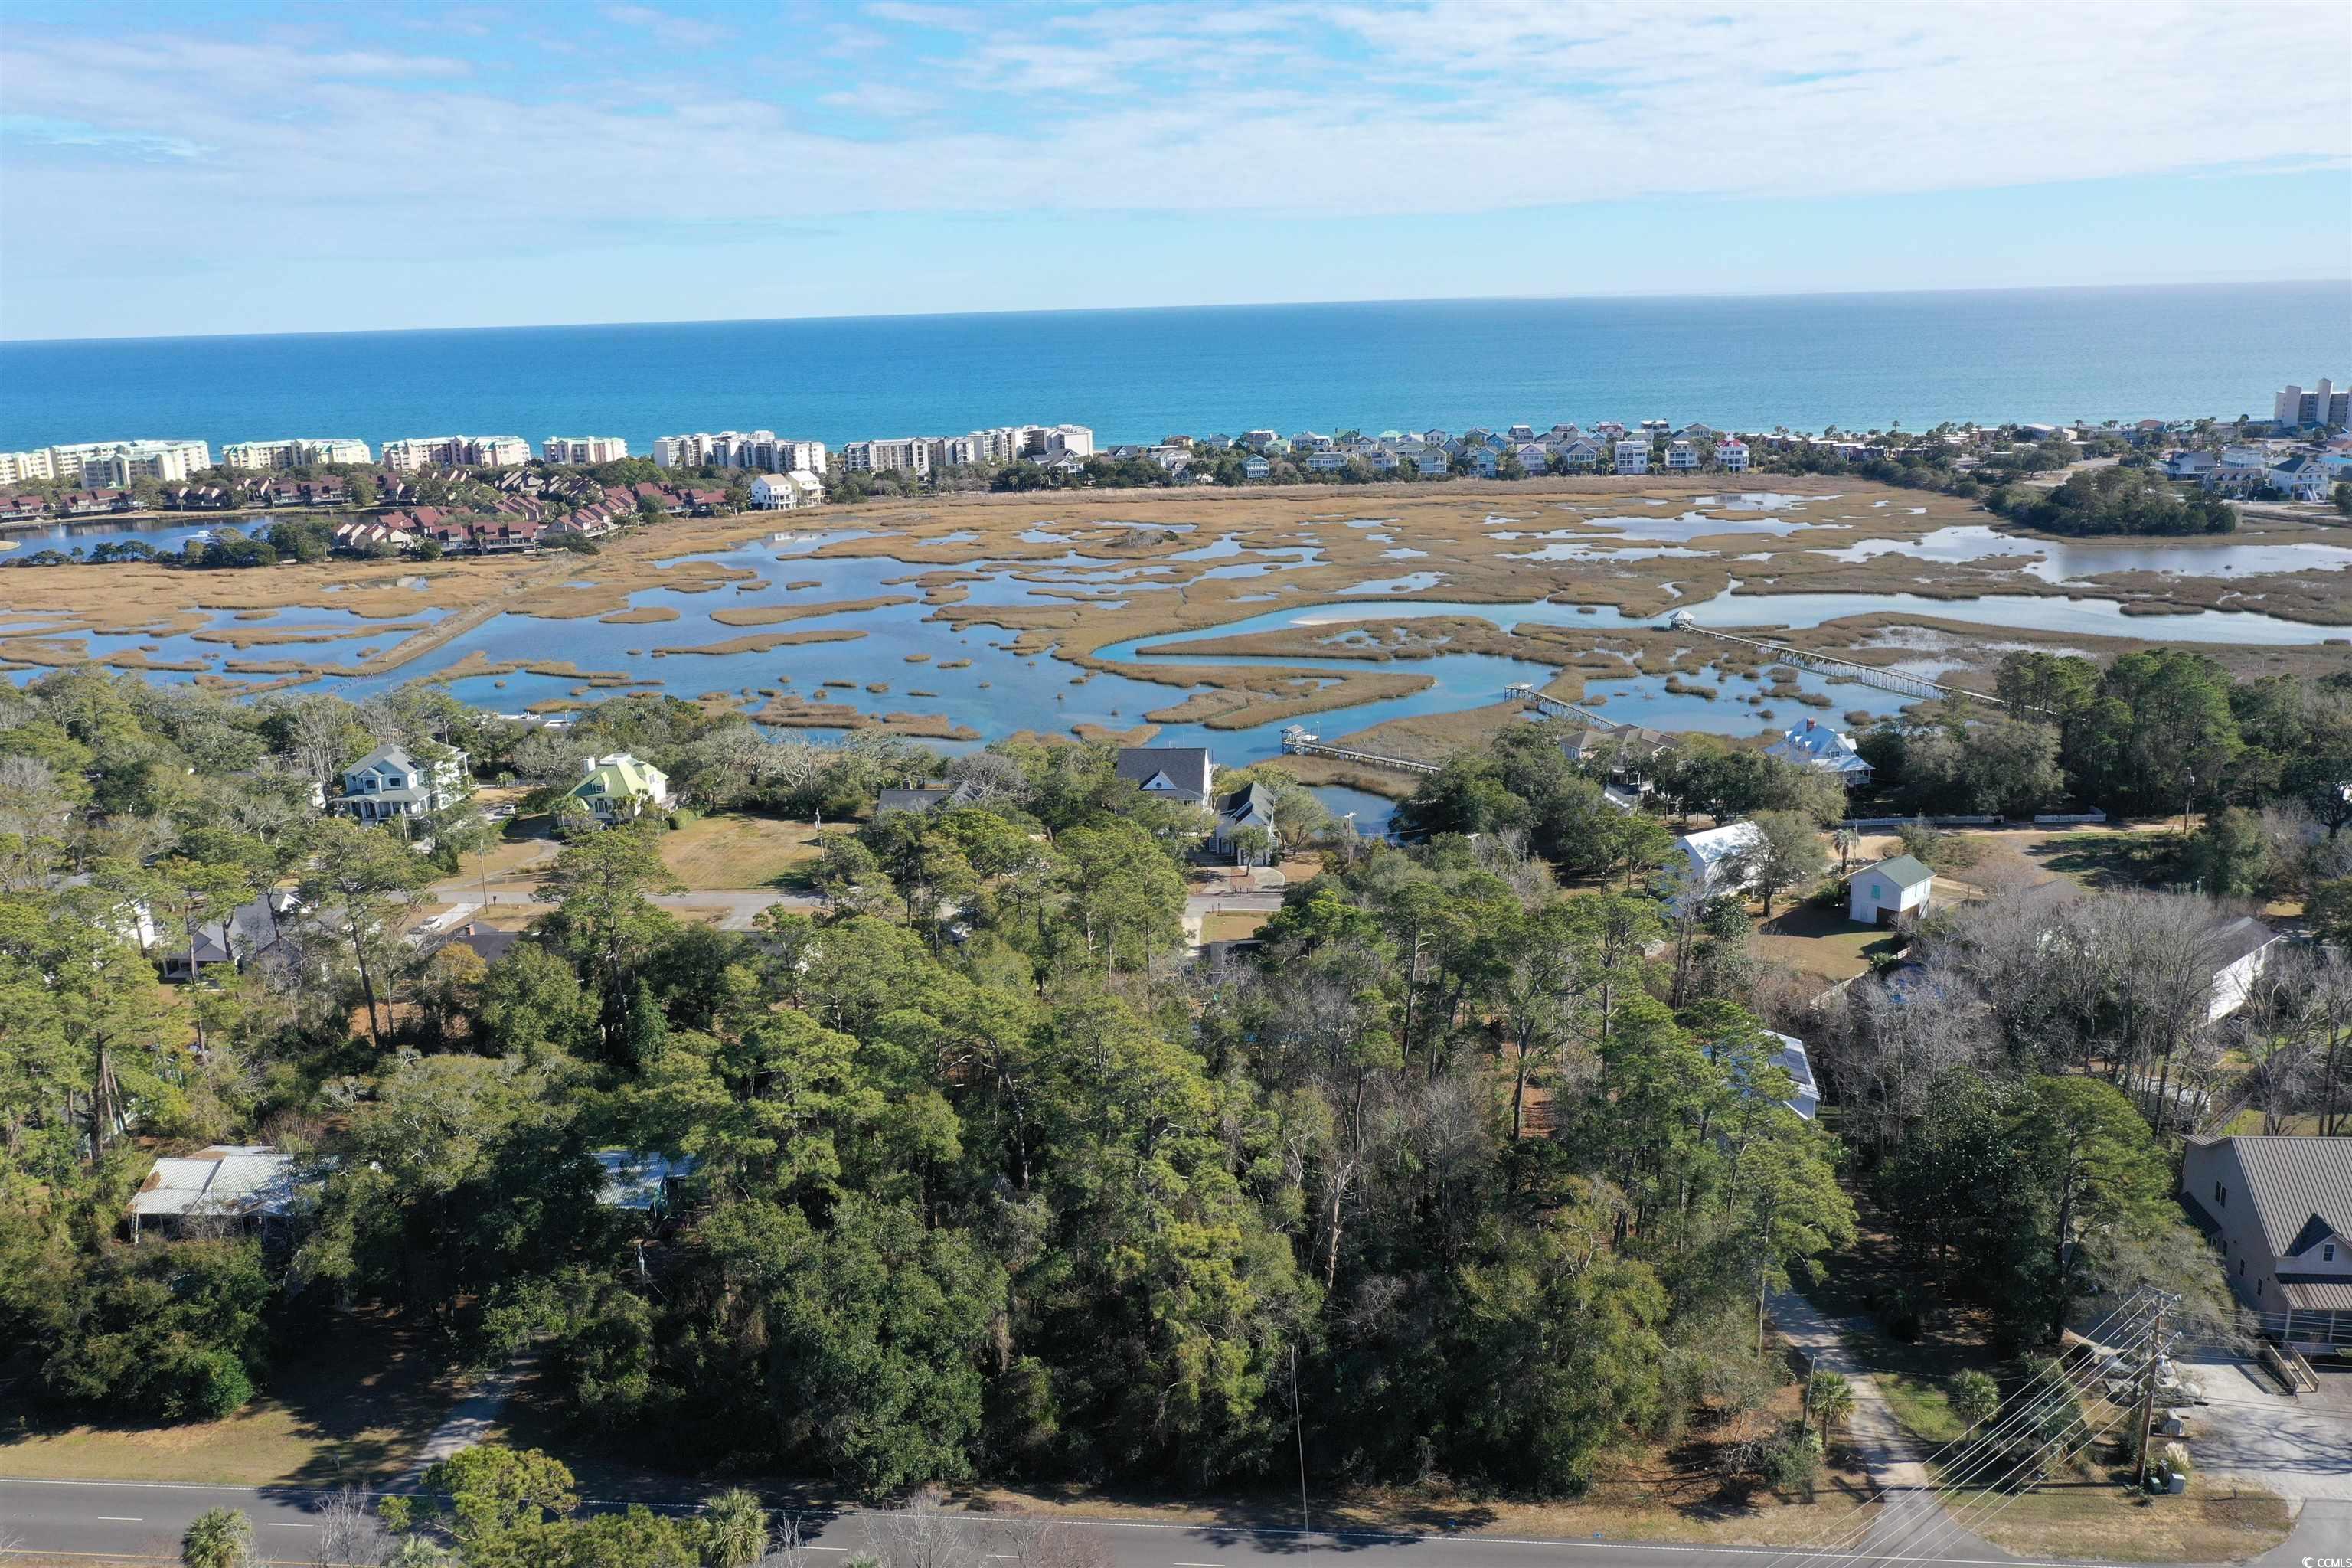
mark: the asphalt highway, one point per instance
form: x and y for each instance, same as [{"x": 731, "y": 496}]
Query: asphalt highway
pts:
[{"x": 132, "y": 1523}]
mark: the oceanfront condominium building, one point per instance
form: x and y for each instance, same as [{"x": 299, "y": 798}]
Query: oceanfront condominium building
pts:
[
  {"x": 107, "y": 464},
  {"x": 582, "y": 450},
  {"x": 759, "y": 451},
  {"x": 2325, "y": 405},
  {"x": 899, "y": 455},
  {"x": 296, "y": 452},
  {"x": 406, "y": 457},
  {"x": 1001, "y": 444}
]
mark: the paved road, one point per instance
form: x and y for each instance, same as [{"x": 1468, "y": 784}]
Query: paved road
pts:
[{"x": 137, "y": 1523}]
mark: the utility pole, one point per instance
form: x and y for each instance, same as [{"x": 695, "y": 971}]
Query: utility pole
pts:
[
  {"x": 1299, "y": 1427},
  {"x": 2146, "y": 1422},
  {"x": 1805, "y": 1421}
]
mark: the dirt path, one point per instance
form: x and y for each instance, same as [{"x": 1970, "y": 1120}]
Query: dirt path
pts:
[
  {"x": 473, "y": 1417},
  {"x": 1908, "y": 1513}
]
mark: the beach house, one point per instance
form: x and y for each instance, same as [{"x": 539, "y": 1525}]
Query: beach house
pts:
[
  {"x": 1816, "y": 745},
  {"x": 1682, "y": 458},
  {"x": 392, "y": 781},
  {"x": 1252, "y": 805},
  {"x": 1633, "y": 456},
  {"x": 619, "y": 787},
  {"x": 1715, "y": 861},
  {"x": 1731, "y": 455},
  {"x": 1173, "y": 772}
]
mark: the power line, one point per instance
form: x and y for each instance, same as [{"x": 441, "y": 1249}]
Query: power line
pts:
[{"x": 2025, "y": 1403}]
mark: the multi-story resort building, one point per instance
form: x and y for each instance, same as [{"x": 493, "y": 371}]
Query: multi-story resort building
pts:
[
  {"x": 582, "y": 450},
  {"x": 2326, "y": 405},
  {"x": 759, "y": 451},
  {"x": 295, "y": 452},
  {"x": 900, "y": 455},
  {"x": 107, "y": 463},
  {"x": 406, "y": 457}
]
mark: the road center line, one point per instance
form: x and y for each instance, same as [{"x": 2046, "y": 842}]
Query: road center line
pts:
[{"x": 118, "y": 1518}]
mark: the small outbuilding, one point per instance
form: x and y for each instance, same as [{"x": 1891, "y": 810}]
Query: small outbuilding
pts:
[{"x": 1881, "y": 894}]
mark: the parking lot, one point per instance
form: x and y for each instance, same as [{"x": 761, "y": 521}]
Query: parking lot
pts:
[{"x": 2250, "y": 1430}]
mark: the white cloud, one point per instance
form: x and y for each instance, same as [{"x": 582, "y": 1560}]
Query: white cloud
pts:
[{"x": 1300, "y": 106}]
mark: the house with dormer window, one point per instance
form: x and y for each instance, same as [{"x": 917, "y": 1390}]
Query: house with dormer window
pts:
[
  {"x": 393, "y": 781},
  {"x": 2279, "y": 1209},
  {"x": 1171, "y": 772}
]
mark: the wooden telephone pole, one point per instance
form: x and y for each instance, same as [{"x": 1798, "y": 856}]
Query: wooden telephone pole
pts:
[{"x": 2146, "y": 1422}]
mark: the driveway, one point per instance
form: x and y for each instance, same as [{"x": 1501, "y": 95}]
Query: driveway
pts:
[{"x": 2299, "y": 1447}]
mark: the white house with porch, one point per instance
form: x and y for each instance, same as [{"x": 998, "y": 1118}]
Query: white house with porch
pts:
[
  {"x": 1816, "y": 745},
  {"x": 392, "y": 781}
]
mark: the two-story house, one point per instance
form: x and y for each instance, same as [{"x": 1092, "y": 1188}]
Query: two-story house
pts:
[
  {"x": 2280, "y": 1211},
  {"x": 619, "y": 788},
  {"x": 392, "y": 781},
  {"x": 1171, "y": 772}
]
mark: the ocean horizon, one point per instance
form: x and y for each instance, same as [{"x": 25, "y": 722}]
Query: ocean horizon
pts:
[{"x": 1135, "y": 374}]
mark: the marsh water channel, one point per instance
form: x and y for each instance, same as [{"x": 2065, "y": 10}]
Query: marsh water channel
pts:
[{"x": 994, "y": 690}]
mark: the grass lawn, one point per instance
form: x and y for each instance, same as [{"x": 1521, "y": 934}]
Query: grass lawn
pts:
[
  {"x": 738, "y": 850},
  {"x": 352, "y": 1404},
  {"x": 2096, "y": 1514},
  {"x": 1231, "y": 925},
  {"x": 2109, "y": 857},
  {"x": 1823, "y": 943}
]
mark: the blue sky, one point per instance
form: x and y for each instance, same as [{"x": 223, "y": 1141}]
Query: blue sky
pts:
[{"x": 234, "y": 168}]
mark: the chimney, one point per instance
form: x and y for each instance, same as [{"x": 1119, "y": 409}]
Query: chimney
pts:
[{"x": 587, "y": 766}]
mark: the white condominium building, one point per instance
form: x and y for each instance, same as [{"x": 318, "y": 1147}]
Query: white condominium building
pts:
[
  {"x": 16, "y": 468},
  {"x": 904, "y": 454},
  {"x": 107, "y": 463},
  {"x": 1633, "y": 456},
  {"x": 405, "y": 457},
  {"x": 584, "y": 450},
  {"x": 295, "y": 452},
  {"x": 1012, "y": 443},
  {"x": 761, "y": 451}
]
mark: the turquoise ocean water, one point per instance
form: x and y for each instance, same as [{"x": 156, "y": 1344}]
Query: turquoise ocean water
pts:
[{"x": 1809, "y": 361}]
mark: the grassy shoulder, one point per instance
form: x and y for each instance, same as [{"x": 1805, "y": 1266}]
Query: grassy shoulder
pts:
[{"x": 354, "y": 1406}]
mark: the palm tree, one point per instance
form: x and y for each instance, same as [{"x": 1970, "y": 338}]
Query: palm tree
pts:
[
  {"x": 1834, "y": 1397},
  {"x": 219, "y": 1537},
  {"x": 734, "y": 1529}
]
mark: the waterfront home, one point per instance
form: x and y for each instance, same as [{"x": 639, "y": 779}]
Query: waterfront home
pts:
[
  {"x": 2189, "y": 464},
  {"x": 1816, "y": 745},
  {"x": 392, "y": 781},
  {"x": 1496, "y": 443},
  {"x": 1696, "y": 435},
  {"x": 1483, "y": 461},
  {"x": 367, "y": 536},
  {"x": 1521, "y": 433},
  {"x": 1633, "y": 456},
  {"x": 1172, "y": 773},
  {"x": 2281, "y": 1210},
  {"x": 1213, "y": 442},
  {"x": 1579, "y": 456},
  {"x": 774, "y": 492},
  {"x": 1252, "y": 805},
  {"x": 1326, "y": 462},
  {"x": 1260, "y": 440},
  {"x": 1682, "y": 458},
  {"x": 1256, "y": 467},
  {"x": 2303, "y": 477},
  {"x": 1435, "y": 437},
  {"x": 1731, "y": 455},
  {"x": 2236, "y": 482},
  {"x": 23, "y": 507},
  {"x": 1383, "y": 461},
  {"x": 1880, "y": 895},
  {"x": 1566, "y": 432},
  {"x": 1308, "y": 441},
  {"x": 928, "y": 796},
  {"x": 1431, "y": 463},
  {"x": 1610, "y": 429},
  {"x": 619, "y": 788},
  {"x": 1533, "y": 458}
]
